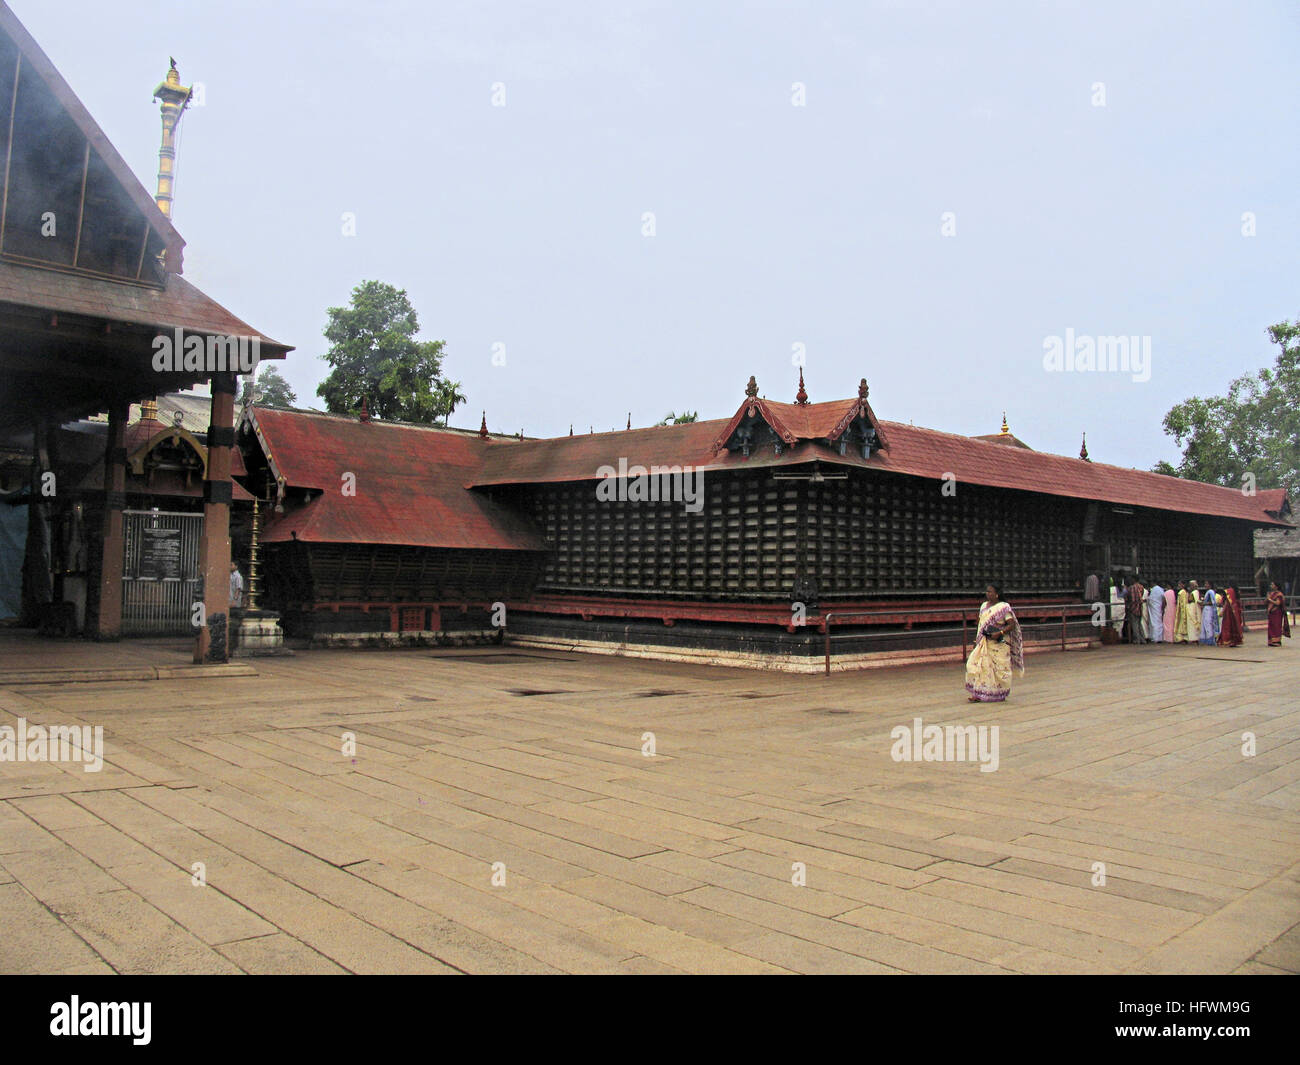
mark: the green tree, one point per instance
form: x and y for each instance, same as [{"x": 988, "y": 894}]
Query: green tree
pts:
[
  {"x": 1255, "y": 428},
  {"x": 449, "y": 398},
  {"x": 685, "y": 418},
  {"x": 374, "y": 355},
  {"x": 269, "y": 388}
]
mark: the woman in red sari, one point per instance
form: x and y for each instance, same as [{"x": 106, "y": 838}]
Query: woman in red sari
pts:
[
  {"x": 1278, "y": 625},
  {"x": 1232, "y": 627}
]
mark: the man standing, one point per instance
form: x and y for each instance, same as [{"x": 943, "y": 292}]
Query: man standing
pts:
[
  {"x": 236, "y": 586},
  {"x": 1156, "y": 612}
]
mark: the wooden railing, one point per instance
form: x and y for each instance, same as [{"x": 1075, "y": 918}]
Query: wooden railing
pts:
[{"x": 1065, "y": 611}]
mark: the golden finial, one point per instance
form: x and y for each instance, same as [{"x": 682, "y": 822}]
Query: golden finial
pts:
[
  {"x": 175, "y": 98},
  {"x": 1005, "y": 431}
]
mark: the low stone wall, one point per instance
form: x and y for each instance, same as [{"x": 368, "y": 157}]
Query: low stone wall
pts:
[{"x": 779, "y": 663}]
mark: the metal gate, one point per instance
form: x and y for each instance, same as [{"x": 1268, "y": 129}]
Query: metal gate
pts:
[{"x": 160, "y": 576}]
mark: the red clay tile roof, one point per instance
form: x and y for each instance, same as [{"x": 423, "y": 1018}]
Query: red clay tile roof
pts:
[
  {"x": 1007, "y": 440},
  {"x": 912, "y": 451},
  {"x": 801, "y": 421},
  {"x": 411, "y": 484},
  {"x": 179, "y": 304}
]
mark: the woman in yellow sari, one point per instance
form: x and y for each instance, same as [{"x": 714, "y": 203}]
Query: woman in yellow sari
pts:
[
  {"x": 998, "y": 647},
  {"x": 1192, "y": 633},
  {"x": 1180, "y": 615}
]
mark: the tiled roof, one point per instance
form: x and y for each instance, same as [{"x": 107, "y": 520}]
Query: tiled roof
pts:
[
  {"x": 179, "y": 304},
  {"x": 1005, "y": 439},
  {"x": 910, "y": 450},
  {"x": 411, "y": 483},
  {"x": 802, "y": 421}
]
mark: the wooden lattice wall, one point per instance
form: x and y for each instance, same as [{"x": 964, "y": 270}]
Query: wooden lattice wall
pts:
[
  {"x": 301, "y": 574},
  {"x": 869, "y": 536}
]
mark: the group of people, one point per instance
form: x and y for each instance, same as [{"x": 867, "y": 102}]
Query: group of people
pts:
[
  {"x": 1184, "y": 612},
  {"x": 1180, "y": 613}
]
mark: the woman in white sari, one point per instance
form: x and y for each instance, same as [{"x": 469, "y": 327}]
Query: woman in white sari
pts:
[{"x": 998, "y": 647}]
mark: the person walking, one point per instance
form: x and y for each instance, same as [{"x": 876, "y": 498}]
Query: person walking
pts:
[
  {"x": 1279, "y": 624},
  {"x": 999, "y": 646},
  {"x": 1117, "y": 608},
  {"x": 1232, "y": 627}
]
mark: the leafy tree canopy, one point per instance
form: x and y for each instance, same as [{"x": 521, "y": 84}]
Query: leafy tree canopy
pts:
[
  {"x": 449, "y": 398},
  {"x": 1255, "y": 428},
  {"x": 685, "y": 418},
  {"x": 270, "y": 388},
  {"x": 374, "y": 355}
]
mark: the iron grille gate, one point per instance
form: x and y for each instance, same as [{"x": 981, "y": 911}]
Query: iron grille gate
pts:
[{"x": 160, "y": 575}]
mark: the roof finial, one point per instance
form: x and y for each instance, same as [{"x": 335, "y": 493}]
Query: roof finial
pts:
[
  {"x": 570, "y": 428},
  {"x": 482, "y": 429},
  {"x": 175, "y": 99},
  {"x": 801, "y": 397},
  {"x": 1083, "y": 451},
  {"x": 629, "y": 419},
  {"x": 365, "y": 410},
  {"x": 1005, "y": 430},
  {"x": 751, "y": 389},
  {"x": 863, "y": 389}
]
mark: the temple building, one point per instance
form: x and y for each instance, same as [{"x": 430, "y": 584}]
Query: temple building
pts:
[
  {"x": 106, "y": 523},
  {"x": 1277, "y": 558},
  {"x": 726, "y": 540}
]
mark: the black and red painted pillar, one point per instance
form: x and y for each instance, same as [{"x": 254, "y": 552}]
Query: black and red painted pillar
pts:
[{"x": 214, "y": 547}]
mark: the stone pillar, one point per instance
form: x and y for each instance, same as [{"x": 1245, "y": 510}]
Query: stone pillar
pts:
[
  {"x": 214, "y": 548},
  {"x": 108, "y": 620}
]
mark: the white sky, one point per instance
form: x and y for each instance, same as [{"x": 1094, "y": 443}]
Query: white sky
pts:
[{"x": 775, "y": 224}]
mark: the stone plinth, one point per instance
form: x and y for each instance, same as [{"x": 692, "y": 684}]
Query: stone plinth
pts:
[{"x": 257, "y": 632}]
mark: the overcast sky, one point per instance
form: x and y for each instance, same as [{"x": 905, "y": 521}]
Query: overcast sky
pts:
[{"x": 1092, "y": 162}]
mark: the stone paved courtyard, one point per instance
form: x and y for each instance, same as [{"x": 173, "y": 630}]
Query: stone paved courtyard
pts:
[{"x": 384, "y": 860}]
